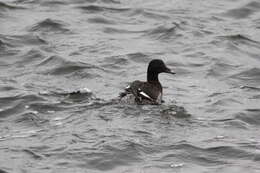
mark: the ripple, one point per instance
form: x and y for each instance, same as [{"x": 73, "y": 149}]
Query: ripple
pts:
[
  {"x": 248, "y": 77},
  {"x": 98, "y": 9},
  {"x": 138, "y": 57},
  {"x": 5, "y": 6},
  {"x": 165, "y": 32},
  {"x": 50, "y": 25},
  {"x": 245, "y": 11},
  {"x": 251, "y": 116},
  {"x": 113, "y": 30},
  {"x": 30, "y": 57},
  {"x": 220, "y": 69},
  {"x": 56, "y": 65},
  {"x": 114, "y": 62},
  {"x": 30, "y": 119},
  {"x": 16, "y": 104},
  {"x": 2, "y": 171},
  {"x": 151, "y": 14},
  {"x": 34, "y": 155},
  {"x": 239, "y": 38},
  {"x": 217, "y": 155},
  {"x": 22, "y": 40},
  {"x": 101, "y": 20}
]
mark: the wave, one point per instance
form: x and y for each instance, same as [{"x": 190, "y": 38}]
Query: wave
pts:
[
  {"x": 250, "y": 116},
  {"x": 163, "y": 32},
  {"x": 5, "y": 6},
  {"x": 112, "y": 30},
  {"x": 239, "y": 38},
  {"x": 217, "y": 155},
  {"x": 221, "y": 69},
  {"x": 30, "y": 57},
  {"x": 248, "y": 77},
  {"x": 56, "y": 65},
  {"x": 148, "y": 13},
  {"x": 97, "y": 9},
  {"x": 16, "y": 104},
  {"x": 101, "y": 20},
  {"x": 244, "y": 11},
  {"x": 22, "y": 40},
  {"x": 50, "y": 25}
]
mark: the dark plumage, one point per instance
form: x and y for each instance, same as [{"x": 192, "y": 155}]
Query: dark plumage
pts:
[{"x": 149, "y": 92}]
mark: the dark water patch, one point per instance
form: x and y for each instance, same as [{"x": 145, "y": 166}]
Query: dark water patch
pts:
[
  {"x": 33, "y": 154},
  {"x": 42, "y": 2},
  {"x": 98, "y": 9},
  {"x": 101, "y": 20},
  {"x": 65, "y": 98},
  {"x": 251, "y": 116},
  {"x": 248, "y": 77},
  {"x": 225, "y": 102},
  {"x": 113, "y": 30},
  {"x": 250, "y": 88},
  {"x": 23, "y": 40},
  {"x": 30, "y": 119},
  {"x": 81, "y": 96},
  {"x": 5, "y": 101},
  {"x": 235, "y": 123},
  {"x": 11, "y": 110},
  {"x": 56, "y": 65},
  {"x": 190, "y": 153},
  {"x": 238, "y": 38},
  {"x": 111, "y": 1},
  {"x": 244, "y": 11},
  {"x": 242, "y": 44},
  {"x": 6, "y": 6},
  {"x": 50, "y": 25},
  {"x": 220, "y": 69},
  {"x": 51, "y": 3},
  {"x": 209, "y": 156},
  {"x": 7, "y": 88},
  {"x": 67, "y": 69},
  {"x": 16, "y": 104},
  {"x": 114, "y": 157},
  {"x": 230, "y": 152},
  {"x": 148, "y": 13},
  {"x": 30, "y": 57},
  {"x": 174, "y": 111},
  {"x": 114, "y": 62},
  {"x": 3, "y": 171},
  {"x": 163, "y": 33},
  {"x": 3, "y": 45},
  {"x": 96, "y": 1},
  {"x": 45, "y": 107},
  {"x": 138, "y": 57}
]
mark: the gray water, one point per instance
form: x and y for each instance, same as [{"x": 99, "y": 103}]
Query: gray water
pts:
[{"x": 63, "y": 61}]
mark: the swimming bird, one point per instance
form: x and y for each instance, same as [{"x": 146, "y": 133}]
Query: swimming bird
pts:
[{"x": 149, "y": 92}]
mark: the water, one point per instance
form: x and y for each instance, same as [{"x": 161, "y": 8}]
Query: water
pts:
[{"x": 63, "y": 61}]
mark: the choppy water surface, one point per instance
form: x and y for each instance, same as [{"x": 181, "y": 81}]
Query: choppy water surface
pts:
[{"x": 210, "y": 121}]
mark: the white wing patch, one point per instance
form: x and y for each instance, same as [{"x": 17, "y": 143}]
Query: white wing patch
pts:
[
  {"x": 145, "y": 95},
  {"x": 127, "y": 87}
]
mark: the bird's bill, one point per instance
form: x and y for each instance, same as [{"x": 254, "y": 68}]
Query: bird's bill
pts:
[{"x": 169, "y": 71}]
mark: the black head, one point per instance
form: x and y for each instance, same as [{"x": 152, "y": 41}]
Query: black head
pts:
[
  {"x": 155, "y": 67},
  {"x": 158, "y": 66}
]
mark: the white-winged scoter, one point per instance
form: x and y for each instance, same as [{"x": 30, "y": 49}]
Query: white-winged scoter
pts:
[{"x": 149, "y": 92}]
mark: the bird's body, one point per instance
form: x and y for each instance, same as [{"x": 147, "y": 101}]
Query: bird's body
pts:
[{"x": 149, "y": 92}]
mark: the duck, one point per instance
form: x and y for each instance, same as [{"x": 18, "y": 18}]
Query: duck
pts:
[{"x": 150, "y": 91}]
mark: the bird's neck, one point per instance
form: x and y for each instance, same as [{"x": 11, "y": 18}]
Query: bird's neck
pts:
[{"x": 152, "y": 76}]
